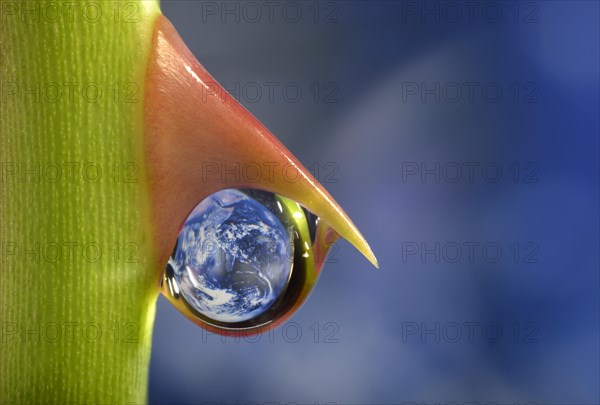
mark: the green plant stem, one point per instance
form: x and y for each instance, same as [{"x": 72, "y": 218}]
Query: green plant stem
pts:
[{"x": 77, "y": 270}]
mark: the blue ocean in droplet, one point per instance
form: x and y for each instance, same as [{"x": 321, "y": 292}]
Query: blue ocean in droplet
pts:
[{"x": 233, "y": 257}]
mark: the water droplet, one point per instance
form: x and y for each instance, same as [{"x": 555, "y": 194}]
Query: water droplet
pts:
[
  {"x": 233, "y": 257},
  {"x": 245, "y": 258}
]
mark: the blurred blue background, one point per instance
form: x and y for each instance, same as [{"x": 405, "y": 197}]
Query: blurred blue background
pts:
[{"x": 462, "y": 139}]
